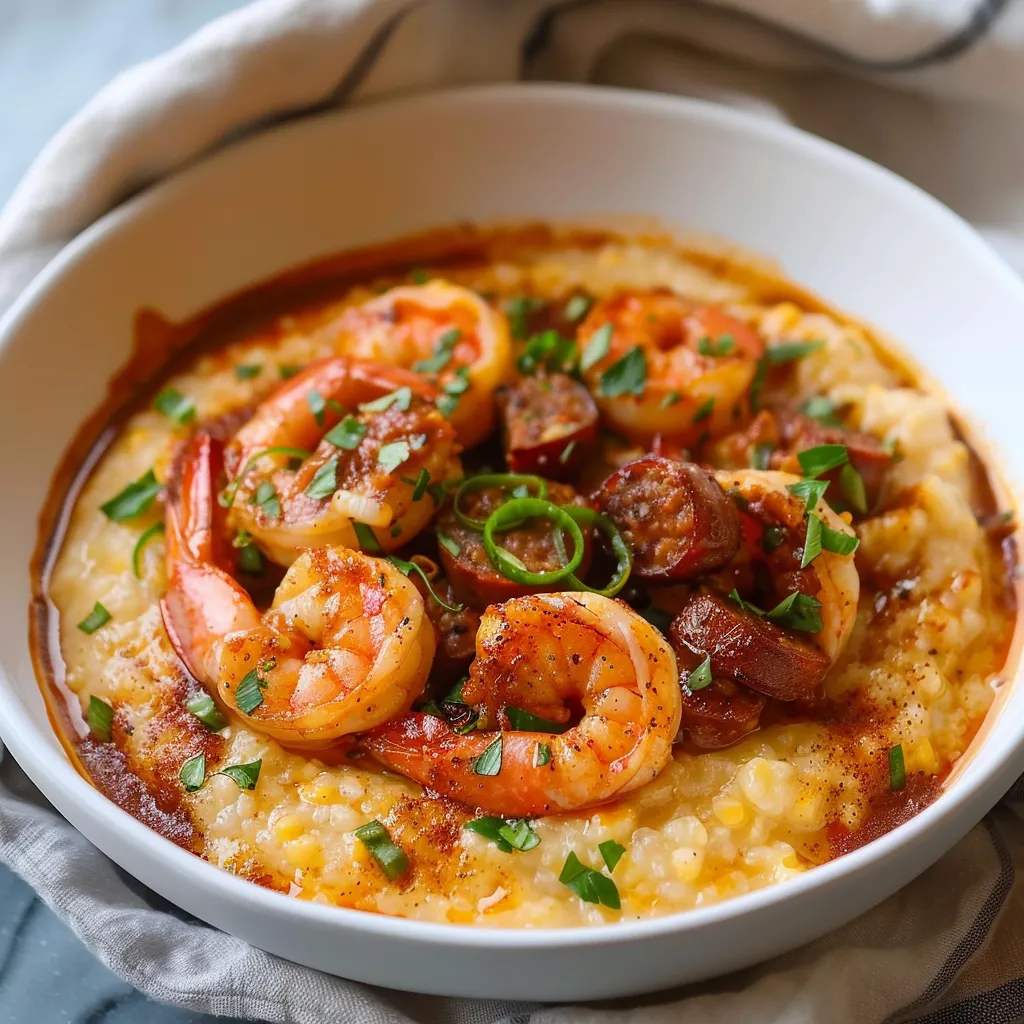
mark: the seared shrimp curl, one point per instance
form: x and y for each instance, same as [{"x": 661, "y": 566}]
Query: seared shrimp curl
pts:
[
  {"x": 345, "y": 645},
  {"x": 544, "y": 654},
  {"x": 370, "y": 431},
  {"x": 444, "y": 331},
  {"x": 699, "y": 365}
]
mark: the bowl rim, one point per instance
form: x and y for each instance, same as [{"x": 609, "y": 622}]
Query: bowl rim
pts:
[{"x": 54, "y": 772}]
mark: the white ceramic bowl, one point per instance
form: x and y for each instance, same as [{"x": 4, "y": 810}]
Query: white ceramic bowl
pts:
[{"x": 856, "y": 234}]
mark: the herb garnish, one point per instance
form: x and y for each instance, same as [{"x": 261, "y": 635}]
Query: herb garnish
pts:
[
  {"x": 489, "y": 762},
  {"x": 325, "y": 480},
  {"x": 611, "y": 853},
  {"x": 133, "y": 500},
  {"x": 99, "y": 616},
  {"x": 401, "y": 398},
  {"x": 175, "y": 406},
  {"x": 700, "y": 676},
  {"x": 518, "y": 311},
  {"x": 407, "y": 568},
  {"x": 815, "y": 461},
  {"x": 514, "y": 834},
  {"x": 99, "y": 716},
  {"x": 597, "y": 347},
  {"x": 366, "y": 537},
  {"x": 541, "y": 755},
  {"x": 790, "y": 350},
  {"x": 266, "y": 498},
  {"x": 392, "y": 455},
  {"x": 577, "y": 308},
  {"x": 897, "y": 768},
  {"x": 524, "y": 721},
  {"x": 391, "y": 859},
  {"x": 246, "y": 371},
  {"x": 716, "y": 347},
  {"x": 347, "y": 434},
  {"x": 761, "y": 456},
  {"x": 627, "y": 376},
  {"x": 443, "y": 349},
  {"x": 451, "y": 546},
  {"x": 704, "y": 411},
  {"x": 590, "y": 885},
  {"x": 202, "y": 705},
  {"x": 145, "y": 537},
  {"x": 317, "y": 405},
  {"x": 798, "y": 611}
]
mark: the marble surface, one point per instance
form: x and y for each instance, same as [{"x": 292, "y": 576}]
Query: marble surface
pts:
[{"x": 54, "y": 54}]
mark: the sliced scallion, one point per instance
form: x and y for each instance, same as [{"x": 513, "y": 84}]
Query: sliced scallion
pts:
[
  {"x": 390, "y": 857},
  {"x": 99, "y": 716},
  {"x": 99, "y": 616}
]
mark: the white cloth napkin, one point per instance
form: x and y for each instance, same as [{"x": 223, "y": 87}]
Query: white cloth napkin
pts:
[{"x": 932, "y": 88}]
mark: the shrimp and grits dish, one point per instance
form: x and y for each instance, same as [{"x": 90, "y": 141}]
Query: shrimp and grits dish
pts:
[{"x": 523, "y": 577}]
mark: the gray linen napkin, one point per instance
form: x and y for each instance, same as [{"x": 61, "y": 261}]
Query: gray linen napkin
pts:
[{"x": 946, "y": 948}]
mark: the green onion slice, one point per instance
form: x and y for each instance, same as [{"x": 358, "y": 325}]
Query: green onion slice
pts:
[
  {"x": 99, "y": 716},
  {"x": 204, "y": 708},
  {"x": 515, "y": 512},
  {"x": 790, "y": 350},
  {"x": 99, "y": 616},
  {"x": 622, "y": 551},
  {"x": 147, "y": 535},
  {"x": 506, "y": 481},
  {"x": 897, "y": 768},
  {"x": 175, "y": 406},
  {"x": 391, "y": 859},
  {"x": 366, "y": 537},
  {"x": 134, "y": 499},
  {"x": 406, "y": 568}
]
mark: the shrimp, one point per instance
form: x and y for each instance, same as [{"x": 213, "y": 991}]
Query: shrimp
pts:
[
  {"x": 691, "y": 366},
  {"x": 345, "y": 645},
  {"x": 543, "y": 654},
  {"x": 373, "y": 431},
  {"x": 444, "y": 331}
]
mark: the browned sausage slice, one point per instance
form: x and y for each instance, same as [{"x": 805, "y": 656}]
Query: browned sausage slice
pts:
[
  {"x": 466, "y": 566},
  {"x": 719, "y": 714},
  {"x": 547, "y": 425},
  {"x": 673, "y": 515},
  {"x": 750, "y": 650}
]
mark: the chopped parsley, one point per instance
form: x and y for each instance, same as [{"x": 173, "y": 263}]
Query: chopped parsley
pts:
[
  {"x": 175, "y": 406},
  {"x": 390, "y": 858},
  {"x": 823, "y": 410},
  {"x": 548, "y": 350},
  {"x": 590, "y": 885},
  {"x": 99, "y": 716},
  {"x": 419, "y": 276},
  {"x": 245, "y": 776},
  {"x": 489, "y": 762},
  {"x": 524, "y": 721},
  {"x": 193, "y": 773},
  {"x": 347, "y": 434},
  {"x": 717, "y": 347},
  {"x": 392, "y": 455},
  {"x": 815, "y": 461},
  {"x": 443, "y": 349},
  {"x": 518, "y": 311},
  {"x": 401, "y": 398},
  {"x": 577, "y": 308},
  {"x": 317, "y": 405},
  {"x": 133, "y": 500},
  {"x": 798, "y": 611},
  {"x": 289, "y": 370},
  {"x": 541, "y": 755},
  {"x": 700, "y": 676},
  {"x": 247, "y": 371},
  {"x": 627, "y": 376},
  {"x": 597, "y": 347},
  {"x": 851, "y": 483},
  {"x": 611, "y": 853},
  {"x": 704, "y": 411},
  {"x": 788, "y": 351},
  {"x": 325, "y": 480},
  {"x": 812, "y": 491},
  {"x": 514, "y": 834},
  {"x": 812, "y": 542},
  {"x": 249, "y": 695},
  {"x": 202, "y": 705},
  {"x": 669, "y": 400},
  {"x": 266, "y": 498},
  {"x": 99, "y": 616}
]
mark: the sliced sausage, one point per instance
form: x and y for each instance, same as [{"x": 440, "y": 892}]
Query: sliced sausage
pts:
[
  {"x": 465, "y": 563},
  {"x": 750, "y": 650},
  {"x": 673, "y": 515},
  {"x": 547, "y": 425},
  {"x": 719, "y": 714}
]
